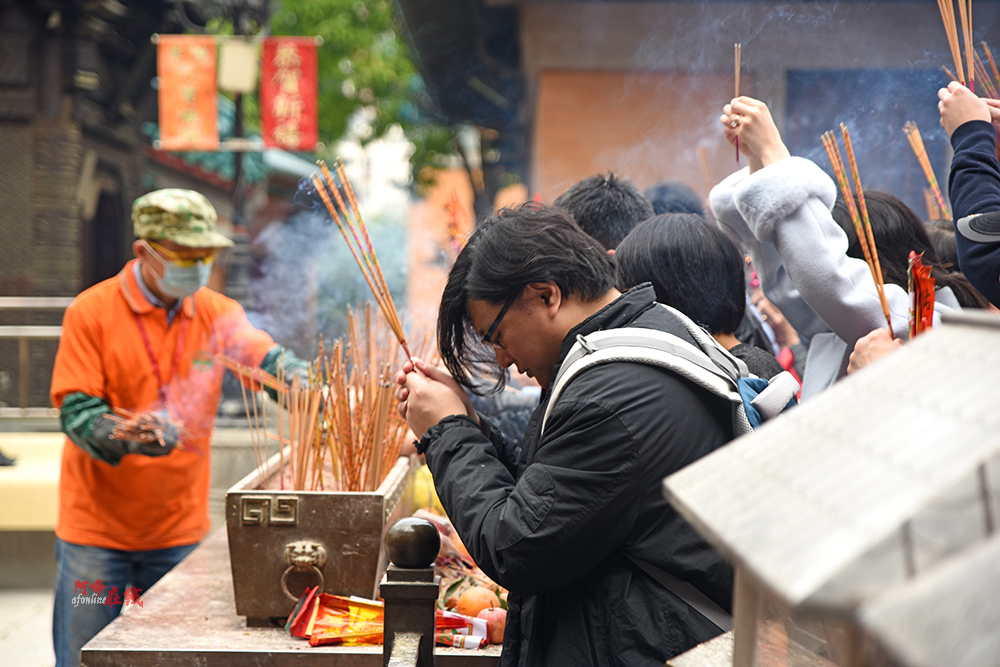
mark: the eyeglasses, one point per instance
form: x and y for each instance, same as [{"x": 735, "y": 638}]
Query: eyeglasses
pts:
[
  {"x": 488, "y": 336},
  {"x": 181, "y": 261}
]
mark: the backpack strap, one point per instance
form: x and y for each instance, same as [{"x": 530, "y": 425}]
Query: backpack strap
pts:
[
  {"x": 656, "y": 348},
  {"x": 736, "y": 368},
  {"x": 688, "y": 593}
]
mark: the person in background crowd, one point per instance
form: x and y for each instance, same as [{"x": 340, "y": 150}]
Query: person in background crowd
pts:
[
  {"x": 674, "y": 197},
  {"x": 697, "y": 269},
  {"x": 942, "y": 236},
  {"x": 142, "y": 342},
  {"x": 565, "y": 526},
  {"x": 974, "y": 185},
  {"x": 792, "y": 350},
  {"x": 606, "y": 207},
  {"x": 780, "y": 206},
  {"x": 897, "y": 230}
]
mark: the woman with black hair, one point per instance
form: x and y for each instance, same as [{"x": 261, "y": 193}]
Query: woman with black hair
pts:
[
  {"x": 942, "y": 236},
  {"x": 897, "y": 230},
  {"x": 781, "y": 208},
  {"x": 569, "y": 523},
  {"x": 697, "y": 269}
]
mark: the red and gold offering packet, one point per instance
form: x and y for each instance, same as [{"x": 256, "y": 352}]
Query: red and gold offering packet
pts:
[
  {"x": 326, "y": 619},
  {"x": 921, "y": 288},
  {"x": 303, "y": 612},
  {"x": 346, "y": 621}
]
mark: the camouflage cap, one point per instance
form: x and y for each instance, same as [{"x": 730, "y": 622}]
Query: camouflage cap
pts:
[{"x": 185, "y": 217}]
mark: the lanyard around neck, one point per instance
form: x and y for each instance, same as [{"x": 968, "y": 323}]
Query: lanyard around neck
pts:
[{"x": 152, "y": 355}]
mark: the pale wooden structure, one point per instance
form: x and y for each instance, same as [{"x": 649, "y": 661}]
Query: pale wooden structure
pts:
[
  {"x": 949, "y": 617},
  {"x": 874, "y": 482}
]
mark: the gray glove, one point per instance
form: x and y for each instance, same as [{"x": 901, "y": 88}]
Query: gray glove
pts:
[{"x": 114, "y": 449}]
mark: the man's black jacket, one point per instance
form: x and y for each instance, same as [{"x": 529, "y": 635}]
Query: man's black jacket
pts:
[{"x": 555, "y": 528}]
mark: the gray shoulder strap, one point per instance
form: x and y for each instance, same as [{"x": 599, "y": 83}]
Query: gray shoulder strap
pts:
[
  {"x": 654, "y": 347},
  {"x": 709, "y": 345}
]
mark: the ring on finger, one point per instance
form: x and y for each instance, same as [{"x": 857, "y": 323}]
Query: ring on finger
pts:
[{"x": 735, "y": 122}]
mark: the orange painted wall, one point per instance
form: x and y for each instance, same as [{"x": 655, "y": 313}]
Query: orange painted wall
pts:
[
  {"x": 648, "y": 127},
  {"x": 431, "y": 251}
]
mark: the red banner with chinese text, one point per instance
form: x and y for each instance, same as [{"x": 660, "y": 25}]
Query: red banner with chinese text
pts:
[
  {"x": 185, "y": 65},
  {"x": 289, "y": 105}
]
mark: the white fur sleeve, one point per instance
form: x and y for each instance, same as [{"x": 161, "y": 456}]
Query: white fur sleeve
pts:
[
  {"x": 774, "y": 281},
  {"x": 788, "y": 204}
]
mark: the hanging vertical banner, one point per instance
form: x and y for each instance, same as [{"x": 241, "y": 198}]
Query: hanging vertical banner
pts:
[
  {"x": 185, "y": 66},
  {"x": 289, "y": 105}
]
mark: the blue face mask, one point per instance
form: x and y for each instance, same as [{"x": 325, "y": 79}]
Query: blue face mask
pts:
[
  {"x": 180, "y": 282},
  {"x": 183, "y": 281}
]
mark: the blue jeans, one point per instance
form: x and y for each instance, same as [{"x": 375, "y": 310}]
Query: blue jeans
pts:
[{"x": 76, "y": 616}]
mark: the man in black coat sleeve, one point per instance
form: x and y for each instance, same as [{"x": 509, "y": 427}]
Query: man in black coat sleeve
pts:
[{"x": 559, "y": 522}]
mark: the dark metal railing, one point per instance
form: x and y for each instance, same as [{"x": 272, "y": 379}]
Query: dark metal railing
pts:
[{"x": 24, "y": 334}]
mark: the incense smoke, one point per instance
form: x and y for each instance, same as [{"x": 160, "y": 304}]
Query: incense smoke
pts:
[{"x": 305, "y": 277}]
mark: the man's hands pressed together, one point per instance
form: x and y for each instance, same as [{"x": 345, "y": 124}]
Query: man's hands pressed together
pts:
[{"x": 427, "y": 394}]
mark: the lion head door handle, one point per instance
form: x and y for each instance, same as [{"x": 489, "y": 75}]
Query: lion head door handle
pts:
[{"x": 303, "y": 556}]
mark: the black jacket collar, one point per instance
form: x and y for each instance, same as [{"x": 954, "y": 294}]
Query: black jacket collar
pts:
[{"x": 619, "y": 313}]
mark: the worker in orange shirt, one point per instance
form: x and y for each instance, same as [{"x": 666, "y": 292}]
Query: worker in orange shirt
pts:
[{"x": 143, "y": 341}]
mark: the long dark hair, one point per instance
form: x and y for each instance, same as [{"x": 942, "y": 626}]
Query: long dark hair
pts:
[
  {"x": 507, "y": 252},
  {"x": 897, "y": 230},
  {"x": 694, "y": 267}
]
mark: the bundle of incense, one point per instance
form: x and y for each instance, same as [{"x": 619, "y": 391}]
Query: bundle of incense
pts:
[
  {"x": 369, "y": 434},
  {"x": 142, "y": 427},
  {"x": 921, "y": 288},
  {"x": 302, "y": 407},
  {"x": 862, "y": 224},
  {"x": 984, "y": 76},
  {"x": 348, "y": 217},
  {"x": 738, "y": 48},
  {"x": 993, "y": 66},
  {"x": 933, "y": 210},
  {"x": 249, "y": 373},
  {"x": 253, "y": 380},
  {"x": 336, "y": 429},
  {"x": 917, "y": 144},
  {"x": 947, "y": 9}
]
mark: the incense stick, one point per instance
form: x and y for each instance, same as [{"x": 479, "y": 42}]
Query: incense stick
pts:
[
  {"x": 947, "y": 10},
  {"x": 738, "y": 48},
  {"x": 933, "y": 211},
  {"x": 865, "y": 239},
  {"x": 965, "y": 15},
  {"x": 984, "y": 76},
  {"x": 877, "y": 271},
  {"x": 917, "y": 144},
  {"x": 336, "y": 428},
  {"x": 993, "y": 64},
  {"x": 705, "y": 173}
]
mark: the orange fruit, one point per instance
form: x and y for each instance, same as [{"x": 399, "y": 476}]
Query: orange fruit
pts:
[{"x": 475, "y": 599}]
